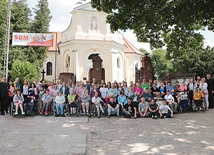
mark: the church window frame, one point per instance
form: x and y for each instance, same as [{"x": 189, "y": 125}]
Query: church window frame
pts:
[
  {"x": 49, "y": 67},
  {"x": 118, "y": 63}
]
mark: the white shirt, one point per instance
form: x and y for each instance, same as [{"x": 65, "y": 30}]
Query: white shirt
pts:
[
  {"x": 25, "y": 90},
  {"x": 96, "y": 100},
  {"x": 60, "y": 99},
  {"x": 104, "y": 92},
  {"x": 164, "y": 109},
  {"x": 169, "y": 98},
  {"x": 191, "y": 86},
  {"x": 203, "y": 87}
]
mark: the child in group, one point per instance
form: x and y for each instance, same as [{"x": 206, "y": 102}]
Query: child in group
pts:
[
  {"x": 198, "y": 96},
  {"x": 164, "y": 110},
  {"x": 153, "y": 108},
  {"x": 71, "y": 102},
  {"x": 18, "y": 100}
]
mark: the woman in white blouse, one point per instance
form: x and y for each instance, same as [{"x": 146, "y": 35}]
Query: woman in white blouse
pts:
[
  {"x": 25, "y": 89},
  {"x": 203, "y": 87},
  {"x": 104, "y": 91}
]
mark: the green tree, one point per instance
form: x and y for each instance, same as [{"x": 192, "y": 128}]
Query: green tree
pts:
[
  {"x": 3, "y": 19},
  {"x": 23, "y": 70},
  {"x": 20, "y": 22},
  {"x": 162, "y": 66},
  {"x": 161, "y": 22},
  {"x": 200, "y": 62},
  {"x": 40, "y": 24}
]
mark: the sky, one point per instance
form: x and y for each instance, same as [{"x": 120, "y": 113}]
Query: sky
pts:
[{"x": 61, "y": 17}]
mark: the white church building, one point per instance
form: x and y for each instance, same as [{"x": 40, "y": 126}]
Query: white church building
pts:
[{"x": 88, "y": 48}]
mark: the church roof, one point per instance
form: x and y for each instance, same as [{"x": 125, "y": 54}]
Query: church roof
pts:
[
  {"x": 131, "y": 48},
  {"x": 85, "y": 7},
  {"x": 56, "y": 40}
]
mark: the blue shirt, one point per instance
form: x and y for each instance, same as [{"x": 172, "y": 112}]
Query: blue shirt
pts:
[
  {"x": 122, "y": 99},
  {"x": 169, "y": 88}
]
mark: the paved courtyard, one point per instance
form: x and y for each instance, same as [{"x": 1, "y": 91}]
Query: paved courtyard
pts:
[{"x": 188, "y": 133}]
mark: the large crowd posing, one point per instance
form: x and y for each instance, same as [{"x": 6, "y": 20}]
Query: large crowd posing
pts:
[{"x": 156, "y": 99}]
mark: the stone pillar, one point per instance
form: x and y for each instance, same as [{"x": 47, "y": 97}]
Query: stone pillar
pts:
[{"x": 147, "y": 70}]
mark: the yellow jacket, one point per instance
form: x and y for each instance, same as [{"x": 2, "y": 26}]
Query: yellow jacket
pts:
[{"x": 198, "y": 95}]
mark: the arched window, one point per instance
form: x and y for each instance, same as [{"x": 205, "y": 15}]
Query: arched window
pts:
[
  {"x": 91, "y": 57},
  {"x": 49, "y": 68},
  {"x": 118, "y": 63}
]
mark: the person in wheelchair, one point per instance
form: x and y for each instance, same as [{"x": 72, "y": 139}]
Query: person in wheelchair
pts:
[
  {"x": 18, "y": 100},
  {"x": 165, "y": 109},
  {"x": 113, "y": 108},
  {"x": 60, "y": 103},
  {"x": 71, "y": 102},
  {"x": 46, "y": 102},
  {"x": 86, "y": 98},
  {"x": 198, "y": 97},
  {"x": 32, "y": 99},
  {"x": 97, "y": 102}
]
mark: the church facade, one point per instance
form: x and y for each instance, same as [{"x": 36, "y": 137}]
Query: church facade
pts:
[{"x": 87, "y": 49}]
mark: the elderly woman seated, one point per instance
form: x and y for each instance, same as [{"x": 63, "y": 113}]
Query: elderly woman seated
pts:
[{"x": 59, "y": 103}]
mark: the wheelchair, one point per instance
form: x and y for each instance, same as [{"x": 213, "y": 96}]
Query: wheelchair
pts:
[
  {"x": 27, "y": 106},
  {"x": 76, "y": 105},
  {"x": 50, "y": 111},
  {"x": 199, "y": 105},
  {"x": 13, "y": 110},
  {"x": 184, "y": 106},
  {"x": 94, "y": 112}
]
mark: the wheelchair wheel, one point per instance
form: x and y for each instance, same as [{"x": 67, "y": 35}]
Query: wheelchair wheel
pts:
[
  {"x": 179, "y": 109},
  {"x": 11, "y": 109}
]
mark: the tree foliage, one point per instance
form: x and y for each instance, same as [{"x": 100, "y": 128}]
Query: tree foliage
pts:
[
  {"x": 24, "y": 70},
  {"x": 200, "y": 62},
  {"x": 161, "y": 22},
  {"x": 21, "y": 21},
  {"x": 3, "y": 19},
  {"x": 40, "y": 24},
  {"x": 162, "y": 66}
]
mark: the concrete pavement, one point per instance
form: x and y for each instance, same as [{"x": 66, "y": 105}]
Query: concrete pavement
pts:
[{"x": 42, "y": 135}]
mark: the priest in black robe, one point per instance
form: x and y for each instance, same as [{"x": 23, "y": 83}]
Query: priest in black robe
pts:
[{"x": 210, "y": 83}]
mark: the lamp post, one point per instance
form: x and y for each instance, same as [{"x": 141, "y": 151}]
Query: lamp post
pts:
[{"x": 7, "y": 41}]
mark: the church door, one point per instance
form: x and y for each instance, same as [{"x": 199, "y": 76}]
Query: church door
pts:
[{"x": 97, "y": 70}]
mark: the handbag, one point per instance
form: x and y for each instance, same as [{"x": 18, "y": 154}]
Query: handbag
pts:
[{"x": 10, "y": 94}]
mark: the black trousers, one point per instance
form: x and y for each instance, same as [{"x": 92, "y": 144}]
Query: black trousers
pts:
[
  {"x": 4, "y": 101},
  {"x": 211, "y": 100},
  {"x": 190, "y": 96}
]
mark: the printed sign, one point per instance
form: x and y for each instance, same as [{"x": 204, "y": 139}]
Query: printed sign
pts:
[{"x": 32, "y": 39}]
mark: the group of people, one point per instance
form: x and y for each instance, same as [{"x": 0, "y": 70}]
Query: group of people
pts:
[{"x": 146, "y": 99}]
